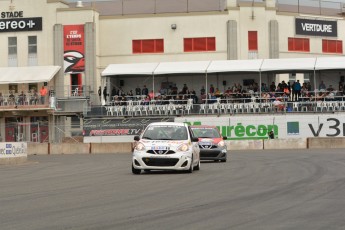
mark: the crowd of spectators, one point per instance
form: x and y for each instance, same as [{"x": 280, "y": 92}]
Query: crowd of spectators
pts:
[
  {"x": 282, "y": 92},
  {"x": 30, "y": 98}
]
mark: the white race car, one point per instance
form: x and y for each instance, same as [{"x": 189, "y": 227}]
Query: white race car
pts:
[{"x": 166, "y": 146}]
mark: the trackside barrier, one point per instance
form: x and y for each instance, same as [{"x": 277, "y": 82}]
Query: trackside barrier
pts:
[
  {"x": 245, "y": 144},
  {"x": 111, "y": 148},
  {"x": 69, "y": 148},
  {"x": 125, "y": 147},
  {"x": 13, "y": 152},
  {"x": 326, "y": 142},
  {"x": 300, "y": 143},
  {"x": 38, "y": 148}
]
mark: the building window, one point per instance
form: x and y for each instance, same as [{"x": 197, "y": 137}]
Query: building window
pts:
[
  {"x": 13, "y": 88},
  {"x": 252, "y": 40},
  {"x": 332, "y": 46},
  {"x": 12, "y": 52},
  {"x": 199, "y": 44},
  {"x": 32, "y": 47},
  {"x": 298, "y": 44},
  {"x": 148, "y": 46}
]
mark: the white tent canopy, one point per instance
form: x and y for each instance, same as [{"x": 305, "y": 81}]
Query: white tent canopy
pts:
[
  {"x": 328, "y": 63},
  {"x": 30, "y": 74},
  {"x": 288, "y": 64},
  {"x": 182, "y": 67},
  {"x": 235, "y": 66},
  {"x": 130, "y": 69},
  {"x": 254, "y": 65}
]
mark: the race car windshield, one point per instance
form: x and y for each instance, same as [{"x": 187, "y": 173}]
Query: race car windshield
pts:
[
  {"x": 165, "y": 133},
  {"x": 206, "y": 133}
]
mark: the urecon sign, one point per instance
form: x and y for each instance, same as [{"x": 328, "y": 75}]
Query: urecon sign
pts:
[
  {"x": 13, "y": 149},
  {"x": 315, "y": 27},
  {"x": 283, "y": 126}
]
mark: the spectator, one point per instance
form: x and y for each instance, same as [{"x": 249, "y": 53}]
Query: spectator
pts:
[
  {"x": 184, "y": 89},
  {"x": 11, "y": 98},
  {"x": 144, "y": 91},
  {"x": 34, "y": 98},
  {"x": 21, "y": 98},
  {"x": 273, "y": 87},
  {"x": 1, "y": 99},
  {"x": 113, "y": 92},
  {"x": 100, "y": 93},
  {"x": 105, "y": 94},
  {"x": 297, "y": 88},
  {"x": 211, "y": 89},
  {"x": 278, "y": 104},
  {"x": 330, "y": 88},
  {"x": 322, "y": 86},
  {"x": 43, "y": 92},
  {"x": 202, "y": 90},
  {"x": 152, "y": 95},
  {"x": 137, "y": 91}
]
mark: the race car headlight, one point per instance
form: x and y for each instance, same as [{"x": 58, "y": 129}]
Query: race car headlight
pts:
[
  {"x": 140, "y": 147},
  {"x": 221, "y": 144},
  {"x": 183, "y": 148}
]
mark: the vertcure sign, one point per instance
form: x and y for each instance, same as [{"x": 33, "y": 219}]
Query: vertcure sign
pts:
[{"x": 315, "y": 27}]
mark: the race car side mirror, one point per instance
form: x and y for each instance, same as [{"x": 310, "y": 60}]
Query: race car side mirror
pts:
[{"x": 195, "y": 139}]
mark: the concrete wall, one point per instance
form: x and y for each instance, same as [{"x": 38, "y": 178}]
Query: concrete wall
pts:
[
  {"x": 111, "y": 148},
  {"x": 69, "y": 148},
  {"x": 326, "y": 143},
  {"x": 245, "y": 145},
  {"x": 126, "y": 147},
  {"x": 38, "y": 148},
  {"x": 285, "y": 143}
]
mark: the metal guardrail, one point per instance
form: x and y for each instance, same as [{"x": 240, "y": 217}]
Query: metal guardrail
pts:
[{"x": 231, "y": 108}]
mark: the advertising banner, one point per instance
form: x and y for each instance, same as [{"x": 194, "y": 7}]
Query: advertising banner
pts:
[
  {"x": 13, "y": 149},
  {"x": 118, "y": 127},
  {"x": 314, "y": 27},
  {"x": 74, "y": 49},
  {"x": 20, "y": 24},
  {"x": 283, "y": 126}
]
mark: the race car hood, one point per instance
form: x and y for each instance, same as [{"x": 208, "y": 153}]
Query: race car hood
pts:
[
  {"x": 210, "y": 140},
  {"x": 163, "y": 144}
]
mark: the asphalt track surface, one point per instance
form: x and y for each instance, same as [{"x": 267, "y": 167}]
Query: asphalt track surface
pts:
[{"x": 283, "y": 189}]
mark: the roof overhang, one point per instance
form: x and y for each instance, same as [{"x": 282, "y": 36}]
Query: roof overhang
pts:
[{"x": 29, "y": 74}]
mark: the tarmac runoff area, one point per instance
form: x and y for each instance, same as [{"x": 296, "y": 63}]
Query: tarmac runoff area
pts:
[{"x": 259, "y": 189}]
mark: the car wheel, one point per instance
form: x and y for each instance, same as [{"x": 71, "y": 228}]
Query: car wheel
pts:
[
  {"x": 190, "y": 170},
  {"x": 135, "y": 171},
  {"x": 197, "y": 167}
]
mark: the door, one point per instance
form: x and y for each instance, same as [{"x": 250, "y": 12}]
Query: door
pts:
[
  {"x": 44, "y": 133},
  {"x": 76, "y": 84},
  {"x": 10, "y": 134}
]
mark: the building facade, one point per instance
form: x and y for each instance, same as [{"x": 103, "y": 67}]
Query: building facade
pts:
[{"x": 81, "y": 40}]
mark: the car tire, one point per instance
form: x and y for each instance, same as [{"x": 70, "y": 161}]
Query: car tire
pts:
[
  {"x": 197, "y": 167},
  {"x": 191, "y": 168},
  {"x": 135, "y": 171}
]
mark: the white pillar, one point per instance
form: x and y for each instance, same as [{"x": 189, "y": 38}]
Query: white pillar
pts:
[
  {"x": 231, "y": 4},
  {"x": 271, "y": 3}
]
